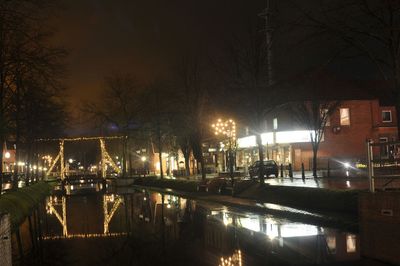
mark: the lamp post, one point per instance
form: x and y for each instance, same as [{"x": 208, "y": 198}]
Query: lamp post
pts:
[{"x": 227, "y": 128}]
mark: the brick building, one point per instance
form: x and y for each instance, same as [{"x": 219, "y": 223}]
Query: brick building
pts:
[{"x": 347, "y": 130}]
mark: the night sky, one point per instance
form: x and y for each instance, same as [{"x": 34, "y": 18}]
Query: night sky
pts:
[
  {"x": 145, "y": 38},
  {"x": 140, "y": 37}
]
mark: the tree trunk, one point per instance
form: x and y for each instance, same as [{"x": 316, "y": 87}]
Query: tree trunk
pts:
[
  {"x": 29, "y": 166},
  {"x": 130, "y": 164},
  {"x": 231, "y": 164},
  {"x": 203, "y": 168},
  {"x": 260, "y": 158},
  {"x": 314, "y": 164},
  {"x": 187, "y": 163},
  {"x": 160, "y": 152},
  {"x": 123, "y": 159},
  {"x": 398, "y": 112}
]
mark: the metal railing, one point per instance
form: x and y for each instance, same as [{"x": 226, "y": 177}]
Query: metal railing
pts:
[{"x": 383, "y": 162}]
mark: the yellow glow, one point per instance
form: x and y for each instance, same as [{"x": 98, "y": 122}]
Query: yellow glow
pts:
[{"x": 7, "y": 155}]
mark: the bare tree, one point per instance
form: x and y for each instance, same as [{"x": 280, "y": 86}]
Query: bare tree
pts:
[
  {"x": 193, "y": 97},
  {"x": 250, "y": 83},
  {"x": 156, "y": 115},
  {"x": 24, "y": 55},
  {"x": 313, "y": 115},
  {"x": 118, "y": 108}
]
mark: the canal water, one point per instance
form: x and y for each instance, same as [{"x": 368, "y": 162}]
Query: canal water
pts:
[{"x": 87, "y": 226}]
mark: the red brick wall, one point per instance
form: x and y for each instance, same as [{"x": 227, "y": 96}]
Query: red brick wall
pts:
[{"x": 349, "y": 141}]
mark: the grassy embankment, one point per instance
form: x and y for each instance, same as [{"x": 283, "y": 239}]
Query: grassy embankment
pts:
[
  {"x": 20, "y": 203},
  {"x": 318, "y": 199}
]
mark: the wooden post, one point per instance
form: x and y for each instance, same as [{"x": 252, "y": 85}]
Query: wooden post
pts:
[
  {"x": 303, "y": 175},
  {"x": 281, "y": 170}
]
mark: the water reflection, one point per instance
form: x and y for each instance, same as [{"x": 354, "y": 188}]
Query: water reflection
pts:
[
  {"x": 57, "y": 206},
  {"x": 202, "y": 233}
]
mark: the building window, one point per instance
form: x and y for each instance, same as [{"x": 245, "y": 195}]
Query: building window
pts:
[
  {"x": 387, "y": 116},
  {"x": 351, "y": 243},
  {"x": 275, "y": 123},
  {"x": 331, "y": 242},
  {"x": 344, "y": 116}
]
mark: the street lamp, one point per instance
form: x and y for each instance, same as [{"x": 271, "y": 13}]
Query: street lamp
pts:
[{"x": 227, "y": 128}]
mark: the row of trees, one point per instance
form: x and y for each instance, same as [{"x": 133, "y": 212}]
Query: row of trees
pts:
[
  {"x": 170, "y": 114},
  {"x": 30, "y": 72}
]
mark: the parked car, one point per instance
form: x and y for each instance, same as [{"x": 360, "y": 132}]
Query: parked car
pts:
[{"x": 270, "y": 168}]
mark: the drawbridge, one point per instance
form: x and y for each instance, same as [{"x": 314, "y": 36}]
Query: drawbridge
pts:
[{"x": 106, "y": 159}]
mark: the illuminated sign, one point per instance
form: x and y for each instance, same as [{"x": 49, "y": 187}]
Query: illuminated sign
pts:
[{"x": 281, "y": 137}]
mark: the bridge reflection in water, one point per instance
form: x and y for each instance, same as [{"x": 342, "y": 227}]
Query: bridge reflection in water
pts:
[{"x": 210, "y": 233}]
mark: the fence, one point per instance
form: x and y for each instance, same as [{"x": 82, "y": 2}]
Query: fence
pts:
[
  {"x": 5, "y": 240},
  {"x": 383, "y": 161}
]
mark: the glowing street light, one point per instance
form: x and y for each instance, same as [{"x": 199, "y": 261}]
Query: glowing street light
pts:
[
  {"x": 7, "y": 155},
  {"x": 143, "y": 158}
]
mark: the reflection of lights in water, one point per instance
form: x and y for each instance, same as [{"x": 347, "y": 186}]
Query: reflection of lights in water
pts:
[
  {"x": 108, "y": 215},
  {"x": 234, "y": 260},
  {"x": 347, "y": 173},
  {"x": 84, "y": 236},
  {"x": 268, "y": 226},
  {"x": 251, "y": 223},
  {"x": 348, "y": 183}
]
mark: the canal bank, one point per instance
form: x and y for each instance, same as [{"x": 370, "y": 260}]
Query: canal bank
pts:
[{"x": 21, "y": 222}]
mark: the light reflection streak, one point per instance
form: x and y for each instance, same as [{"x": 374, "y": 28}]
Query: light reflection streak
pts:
[
  {"x": 234, "y": 260},
  {"x": 109, "y": 215},
  {"x": 70, "y": 236},
  {"x": 62, "y": 218}
]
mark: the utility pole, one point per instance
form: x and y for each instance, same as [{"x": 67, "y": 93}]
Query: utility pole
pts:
[{"x": 266, "y": 15}]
